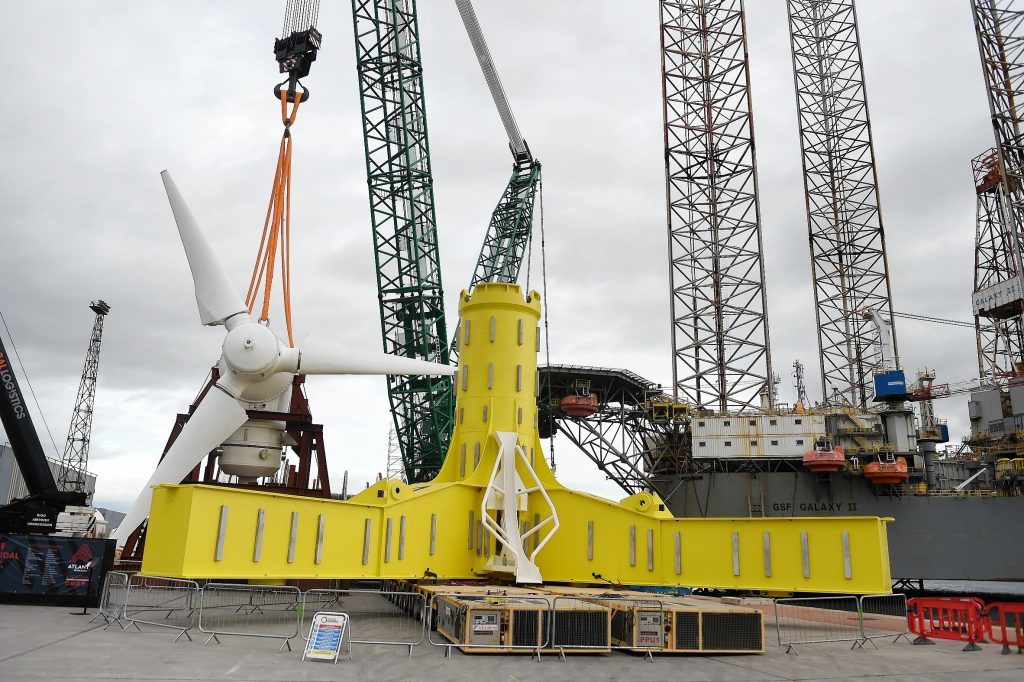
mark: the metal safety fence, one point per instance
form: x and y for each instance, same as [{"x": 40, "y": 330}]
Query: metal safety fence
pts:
[
  {"x": 495, "y": 620},
  {"x": 813, "y": 620},
  {"x": 883, "y": 616},
  {"x": 489, "y": 622},
  {"x": 606, "y": 622},
  {"x": 113, "y": 598},
  {"x": 377, "y": 617},
  {"x": 859, "y": 620},
  {"x": 271, "y": 612},
  {"x": 162, "y": 602}
]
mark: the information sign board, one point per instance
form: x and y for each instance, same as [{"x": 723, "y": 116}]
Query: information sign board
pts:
[
  {"x": 44, "y": 569},
  {"x": 327, "y": 632}
]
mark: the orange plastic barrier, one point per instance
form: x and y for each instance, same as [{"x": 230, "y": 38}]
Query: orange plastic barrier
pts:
[
  {"x": 957, "y": 618},
  {"x": 1004, "y": 624}
]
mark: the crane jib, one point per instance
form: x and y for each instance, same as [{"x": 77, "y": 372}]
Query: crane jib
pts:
[
  {"x": 13, "y": 395},
  {"x": 21, "y": 433}
]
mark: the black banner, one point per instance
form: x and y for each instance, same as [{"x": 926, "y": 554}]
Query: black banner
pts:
[{"x": 41, "y": 569}]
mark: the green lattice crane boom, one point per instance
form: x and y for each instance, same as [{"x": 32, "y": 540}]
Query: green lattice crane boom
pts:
[
  {"x": 402, "y": 216},
  {"x": 404, "y": 226}
]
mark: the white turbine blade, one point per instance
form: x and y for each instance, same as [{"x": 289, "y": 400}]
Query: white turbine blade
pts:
[
  {"x": 217, "y": 298},
  {"x": 323, "y": 356},
  {"x": 217, "y": 417}
]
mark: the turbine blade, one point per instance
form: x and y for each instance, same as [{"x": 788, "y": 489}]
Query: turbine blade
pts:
[
  {"x": 215, "y": 419},
  {"x": 323, "y": 356},
  {"x": 217, "y": 298}
]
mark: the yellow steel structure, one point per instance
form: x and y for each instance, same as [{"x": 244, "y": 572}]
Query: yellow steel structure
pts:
[{"x": 463, "y": 525}]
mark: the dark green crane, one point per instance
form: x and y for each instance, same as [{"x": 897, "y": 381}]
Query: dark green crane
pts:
[{"x": 404, "y": 226}]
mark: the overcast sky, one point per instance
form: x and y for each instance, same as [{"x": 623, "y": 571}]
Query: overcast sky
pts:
[{"x": 103, "y": 96}]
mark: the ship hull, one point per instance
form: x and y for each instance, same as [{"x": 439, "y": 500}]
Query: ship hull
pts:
[{"x": 931, "y": 538}]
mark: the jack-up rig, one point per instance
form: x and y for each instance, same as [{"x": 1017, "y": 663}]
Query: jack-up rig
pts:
[
  {"x": 719, "y": 442},
  {"x": 495, "y": 508}
]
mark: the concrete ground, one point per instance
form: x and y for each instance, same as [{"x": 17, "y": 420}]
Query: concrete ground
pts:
[{"x": 48, "y": 643}]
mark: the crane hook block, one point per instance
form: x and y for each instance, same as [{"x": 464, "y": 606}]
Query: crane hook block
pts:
[{"x": 296, "y": 53}]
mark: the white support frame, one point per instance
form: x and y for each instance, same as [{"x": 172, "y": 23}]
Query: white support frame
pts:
[{"x": 508, "y": 532}]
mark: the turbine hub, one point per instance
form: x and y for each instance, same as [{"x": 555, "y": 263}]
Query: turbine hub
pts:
[{"x": 252, "y": 350}]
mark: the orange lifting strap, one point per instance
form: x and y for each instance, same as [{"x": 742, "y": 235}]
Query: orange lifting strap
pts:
[{"x": 277, "y": 225}]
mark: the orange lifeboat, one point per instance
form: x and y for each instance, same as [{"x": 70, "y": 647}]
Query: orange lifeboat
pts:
[
  {"x": 579, "y": 405},
  {"x": 887, "y": 473},
  {"x": 825, "y": 459}
]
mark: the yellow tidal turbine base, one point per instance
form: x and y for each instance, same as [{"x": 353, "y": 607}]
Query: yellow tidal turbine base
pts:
[{"x": 395, "y": 530}]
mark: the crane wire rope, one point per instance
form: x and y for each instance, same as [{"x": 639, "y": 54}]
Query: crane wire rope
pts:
[
  {"x": 529, "y": 258},
  {"x": 547, "y": 306},
  {"x": 936, "y": 320},
  {"x": 299, "y": 15},
  {"x": 544, "y": 298},
  {"x": 29, "y": 382},
  {"x": 295, "y": 52}
]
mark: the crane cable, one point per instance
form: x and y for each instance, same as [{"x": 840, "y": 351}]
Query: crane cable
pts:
[
  {"x": 936, "y": 320},
  {"x": 28, "y": 381},
  {"x": 547, "y": 306},
  {"x": 295, "y": 52},
  {"x": 544, "y": 299},
  {"x": 277, "y": 224}
]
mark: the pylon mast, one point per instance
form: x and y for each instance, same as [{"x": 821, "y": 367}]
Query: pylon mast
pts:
[
  {"x": 722, "y": 358},
  {"x": 998, "y": 300},
  {"x": 846, "y": 234},
  {"x": 74, "y": 464}
]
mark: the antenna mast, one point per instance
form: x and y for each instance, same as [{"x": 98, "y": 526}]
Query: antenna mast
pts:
[{"x": 801, "y": 387}]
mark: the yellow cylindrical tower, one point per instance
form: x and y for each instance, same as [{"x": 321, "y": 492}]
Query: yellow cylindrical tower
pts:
[{"x": 496, "y": 383}]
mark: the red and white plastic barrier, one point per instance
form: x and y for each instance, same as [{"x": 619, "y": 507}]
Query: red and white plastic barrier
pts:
[
  {"x": 960, "y": 619},
  {"x": 1004, "y": 624}
]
